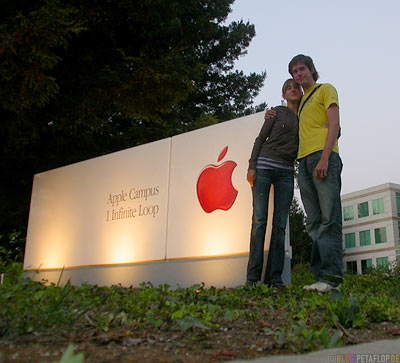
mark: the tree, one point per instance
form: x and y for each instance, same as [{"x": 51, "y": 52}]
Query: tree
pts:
[
  {"x": 82, "y": 78},
  {"x": 301, "y": 242}
]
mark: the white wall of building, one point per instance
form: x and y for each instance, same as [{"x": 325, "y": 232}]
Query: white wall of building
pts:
[{"x": 388, "y": 219}]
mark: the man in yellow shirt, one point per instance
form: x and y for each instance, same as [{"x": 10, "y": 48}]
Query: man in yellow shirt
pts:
[{"x": 320, "y": 167}]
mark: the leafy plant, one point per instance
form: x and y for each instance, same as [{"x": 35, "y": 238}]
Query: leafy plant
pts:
[
  {"x": 347, "y": 311},
  {"x": 301, "y": 338},
  {"x": 70, "y": 357}
]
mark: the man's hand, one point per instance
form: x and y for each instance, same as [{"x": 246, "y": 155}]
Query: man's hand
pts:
[
  {"x": 251, "y": 176},
  {"x": 332, "y": 114},
  {"x": 321, "y": 170},
  {"x": 269, "y": 114}
]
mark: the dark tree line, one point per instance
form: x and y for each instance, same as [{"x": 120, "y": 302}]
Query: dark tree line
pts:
[
  {"x": 300, "y": 241},
  {"x": 82, "y": 78}
]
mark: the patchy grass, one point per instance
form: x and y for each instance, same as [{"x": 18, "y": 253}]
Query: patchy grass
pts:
[{"x": 195, "y": 324}]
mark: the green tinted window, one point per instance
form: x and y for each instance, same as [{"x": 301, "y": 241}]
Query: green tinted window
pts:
[
  {"x": 350, "y": 240},
  {"x": 398, "y": 204},
  {"x": 363, "y": 210},
  {"x": 351, "y": 267},
  {"x": 398, "y": 223},
  {"x": 348, "y": 213},
  {"x": 380, "y": 235},
  {"x": 377, "y": 206},
  {"x": 382, "y": 262},
  {"x": 365, "y": 238},
  {"x": 365, "y": 265}
]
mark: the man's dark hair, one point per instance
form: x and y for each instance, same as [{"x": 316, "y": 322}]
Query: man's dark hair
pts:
[{"x": 307, "y": 61}]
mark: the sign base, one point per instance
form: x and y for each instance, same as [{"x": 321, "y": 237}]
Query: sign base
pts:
[{"x": 218, "y": 272}]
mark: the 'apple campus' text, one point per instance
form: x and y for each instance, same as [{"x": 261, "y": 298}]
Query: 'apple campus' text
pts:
[{"x": 124, "y": 212}]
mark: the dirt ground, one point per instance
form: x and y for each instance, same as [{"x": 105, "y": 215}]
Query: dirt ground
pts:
[{"x": 238, "y": 341}]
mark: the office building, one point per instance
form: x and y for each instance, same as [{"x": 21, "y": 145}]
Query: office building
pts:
[{"x": 371, "y": 224}]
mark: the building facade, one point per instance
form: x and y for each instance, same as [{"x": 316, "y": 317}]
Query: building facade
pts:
[{"x": 371, "y": 225}]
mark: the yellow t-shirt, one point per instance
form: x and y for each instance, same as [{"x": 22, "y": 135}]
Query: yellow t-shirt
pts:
[{"x": 313, "y": 122}]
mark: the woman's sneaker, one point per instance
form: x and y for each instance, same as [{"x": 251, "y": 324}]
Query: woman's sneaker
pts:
[{"x": 251, "y": 283}]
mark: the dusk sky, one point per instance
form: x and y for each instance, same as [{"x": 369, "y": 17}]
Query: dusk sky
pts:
[{"x": 355, "y": 47}]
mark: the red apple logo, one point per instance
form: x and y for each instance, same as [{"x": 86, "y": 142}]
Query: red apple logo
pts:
[{"x": 214, "y": 186}]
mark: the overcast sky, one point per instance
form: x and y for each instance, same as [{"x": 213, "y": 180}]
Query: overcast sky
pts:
[{"x": 355, "y": 46}]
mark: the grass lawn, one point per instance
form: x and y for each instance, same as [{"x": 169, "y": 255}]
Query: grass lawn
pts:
[{"x": 196, "y": 324}]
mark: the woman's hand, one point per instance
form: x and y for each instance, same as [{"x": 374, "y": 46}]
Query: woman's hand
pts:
[{"x": 251, "y": 176}]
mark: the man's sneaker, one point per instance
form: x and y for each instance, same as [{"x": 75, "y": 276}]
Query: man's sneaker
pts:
[
  {"x": 333, "y": 279},
  {"x": 319, "y": 287}
]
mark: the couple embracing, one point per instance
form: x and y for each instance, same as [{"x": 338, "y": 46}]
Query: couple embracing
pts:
[{"x": 307, "y": 129}]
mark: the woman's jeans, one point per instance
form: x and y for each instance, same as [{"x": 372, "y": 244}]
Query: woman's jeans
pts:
[
  {"x": 321, "y": 200},
  {"x": 283, "y": 193}
]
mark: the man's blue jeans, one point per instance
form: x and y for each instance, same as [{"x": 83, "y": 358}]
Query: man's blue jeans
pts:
[
  {"x": 283, "y": 182},
  {"x": 321, "y": 200}
]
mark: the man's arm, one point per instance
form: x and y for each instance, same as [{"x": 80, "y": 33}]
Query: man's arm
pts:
[
  {"x": 269, "y": 114},
  {"x": 332, "y": 113}
]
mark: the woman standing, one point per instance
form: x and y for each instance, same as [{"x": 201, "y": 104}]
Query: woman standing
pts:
[{"x": 271, "y": 162}]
